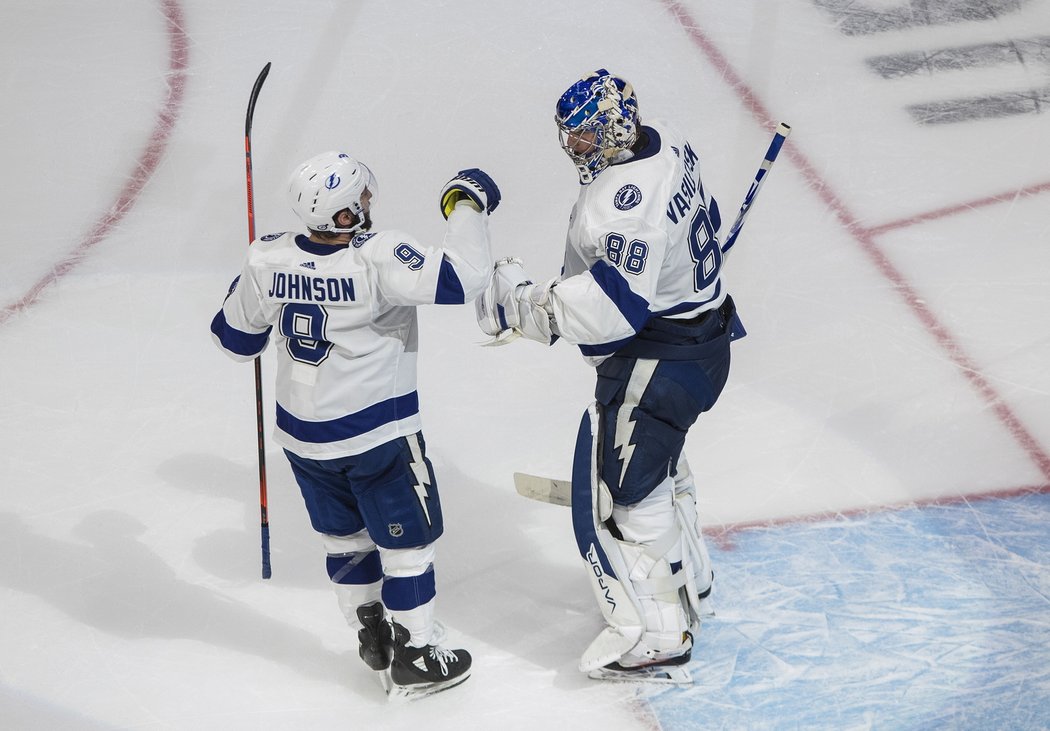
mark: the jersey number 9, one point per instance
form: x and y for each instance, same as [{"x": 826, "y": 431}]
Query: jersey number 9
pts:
[{"x": 303, "y": 325}]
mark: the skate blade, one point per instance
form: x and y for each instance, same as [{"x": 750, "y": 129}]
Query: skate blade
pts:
[
  {"x": 707, "y": 607},
  {"x": 400, "y": 693},
  {"x": 384, "y": 680},
  {"x": 665, "y": 674}
]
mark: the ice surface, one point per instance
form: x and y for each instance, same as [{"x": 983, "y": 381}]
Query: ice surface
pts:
[
  {"x": 923, "y": 618},
  {"x": 893, "y": 278}
]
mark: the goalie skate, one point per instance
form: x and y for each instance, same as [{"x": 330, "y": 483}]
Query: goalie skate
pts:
[
  {"x": 668, "y": 672},
  {"x": 652, "y": 667}
]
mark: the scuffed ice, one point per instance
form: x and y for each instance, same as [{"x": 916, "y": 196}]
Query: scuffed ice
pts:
[
  {"x": 866, "y": 17},
  {"x": 927, "y": 618}
]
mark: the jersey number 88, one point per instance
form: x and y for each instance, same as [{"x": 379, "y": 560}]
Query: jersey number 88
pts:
[{"x": 631, "y": 256}]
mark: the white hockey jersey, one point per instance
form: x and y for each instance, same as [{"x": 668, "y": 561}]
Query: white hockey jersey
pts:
[
  {"x": 642, "y": 243},
  {"x": 343, "y": 320}
]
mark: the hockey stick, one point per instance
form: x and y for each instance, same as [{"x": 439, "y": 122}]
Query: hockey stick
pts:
[
  {"x": 265, "y": 518},
  {"x": 543, "y": 489},
  {"x": 782, "y": 131}
]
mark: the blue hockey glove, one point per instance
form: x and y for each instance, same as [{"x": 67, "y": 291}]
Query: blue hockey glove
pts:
[{"x": 473, "y": 185}]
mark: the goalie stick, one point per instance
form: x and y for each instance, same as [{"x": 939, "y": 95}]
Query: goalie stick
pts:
[
  {"x": 543, "y": 489},
  {"x": 263, "y": 514},
  {"x": 781, "y": 133}
]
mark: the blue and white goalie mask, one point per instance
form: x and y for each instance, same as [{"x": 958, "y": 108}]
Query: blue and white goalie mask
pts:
[
  {"x": 328, "y": 183},
  {"x": 597, "y": 119}
]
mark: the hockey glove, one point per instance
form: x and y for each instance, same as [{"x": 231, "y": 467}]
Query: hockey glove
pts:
[
  {"x": 513, "y": 306},
  {"x": 472, "y": 185}
]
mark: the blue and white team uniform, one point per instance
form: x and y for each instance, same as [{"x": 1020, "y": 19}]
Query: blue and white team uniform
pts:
[
  {"x": 642, "y": 279},
  {"x": 642, "y": 294},
  {"x": 342, "y": 318}
]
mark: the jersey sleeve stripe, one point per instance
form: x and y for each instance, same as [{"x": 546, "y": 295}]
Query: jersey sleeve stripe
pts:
[
  {"x": 604, "y": 348},
  {"x": 633, "y": 307},
  {"x": 449, "y": 288},
  {"x": 238, "y": 342},
  {"x": 351, "y": 425}
]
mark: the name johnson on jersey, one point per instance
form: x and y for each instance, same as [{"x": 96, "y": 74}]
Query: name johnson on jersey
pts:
[{"x": 304, "y": 288}]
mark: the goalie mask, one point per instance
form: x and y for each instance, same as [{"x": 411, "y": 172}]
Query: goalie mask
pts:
[
  {"x": 597, "y": 119},
  {"x": 328, "y": 183}
]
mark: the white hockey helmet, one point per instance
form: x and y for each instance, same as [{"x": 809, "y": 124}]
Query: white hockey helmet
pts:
[{"x": 326, "y": 184}]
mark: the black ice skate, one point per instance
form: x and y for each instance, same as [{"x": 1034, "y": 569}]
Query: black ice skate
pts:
[
  {"x": 659, "y": 668},
  {"x": 421, "y": 671},
  {"x": 377, "y": 641}
]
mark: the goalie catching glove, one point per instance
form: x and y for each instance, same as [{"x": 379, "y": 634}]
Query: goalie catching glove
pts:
[
  {"x": 475, "y": 187},
  {"x": 512, "y": 303}
]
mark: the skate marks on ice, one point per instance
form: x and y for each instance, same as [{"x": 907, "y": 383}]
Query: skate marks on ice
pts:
[{"x": 923, "y": 618}]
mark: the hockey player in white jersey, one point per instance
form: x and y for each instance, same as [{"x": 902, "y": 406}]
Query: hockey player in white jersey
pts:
[
  {"x": 339, "y": 304},
  {"x": 641, "y": 293}
]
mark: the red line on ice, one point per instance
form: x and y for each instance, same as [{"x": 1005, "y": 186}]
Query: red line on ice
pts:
[
  {"x": 866, "y": 238},
  {"x": 960, "y": 208},
  {"x": 723, "y": 534},
  {"x": 144, "y": 168}
]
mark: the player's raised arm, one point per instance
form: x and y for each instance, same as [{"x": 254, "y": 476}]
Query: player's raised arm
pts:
[
  {"x": 471, "y": 192},
  {"x": 455, "y": 272}
]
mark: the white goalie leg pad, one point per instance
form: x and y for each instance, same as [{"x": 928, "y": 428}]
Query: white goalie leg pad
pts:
[
  {"x": 626, "y": 577},
  {"x": 591, "y": 507},
  {"x": 697, "y": 559},
  {"x": 352, "y": 596},
  {"x": 652, "y": 544}
]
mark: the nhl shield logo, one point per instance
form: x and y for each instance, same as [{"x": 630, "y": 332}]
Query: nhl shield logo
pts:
[
  {"x": 627, "y": 197},
  {"x": 396, "y": 530}
]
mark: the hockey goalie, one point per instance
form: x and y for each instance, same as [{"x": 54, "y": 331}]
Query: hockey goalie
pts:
[{"x": 641, "y": 293}]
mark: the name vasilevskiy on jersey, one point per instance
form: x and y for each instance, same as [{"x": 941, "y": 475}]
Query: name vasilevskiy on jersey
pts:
[
  {"x": 304, "y": 288},
  {"x": 681, "y": 202}
]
